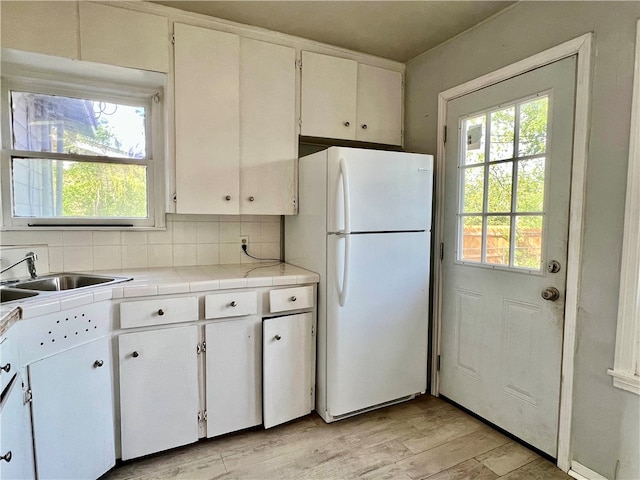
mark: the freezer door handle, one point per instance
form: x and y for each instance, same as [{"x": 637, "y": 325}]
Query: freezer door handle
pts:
[
  {"x": 344, "y": 173},
  {"x": 345, "y": 269}
]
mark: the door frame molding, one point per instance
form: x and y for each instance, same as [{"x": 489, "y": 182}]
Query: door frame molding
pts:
[{"x": 582, "y": 47}]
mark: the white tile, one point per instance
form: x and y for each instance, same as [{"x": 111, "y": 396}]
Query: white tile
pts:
[
  {"x": 56, "y": 259},
  {"x": 171, "y": 288},
  {"x": 259, "y": 281},
  {"x": 207, "y": 218},
  {"x": 106, "y": 237},
  {"x": 184, "y": 255},
  {"x": 204, "y": 286},
  {"x": 270, "y": 250},
  {"x": 134, "y": 238},
  {"x": 134, "y": 256},
  {"x": 139, "y": 291},
  {"x": 207, "y": 232},
  {"x": 53, "y": 238},
  {"x": 160, "y": 255},
  {"x": 107, "y": 257},
  {"x": 207, "y": 254},
  {"x": 39, "y": 307},
  {"x": 285, "y": 280},
  {"x": 73, "y": 301},
  {"x": 15, "y": 238},
  {"x": 179, "y": 217},
  {"x": 254, "y": 250},
  {"x": 270, "y": 232},
  {"x": 77, "y": 237},
  {"x": 228, "y": 283},
  {"x": 78, "y": 258},
  {"x": 100, "y": 294},
  {"x": 250, "y": 218},
  {"x": 229, "y": 218},
  {"x": 184, "y": 232},
  {"x": 161, "y": 237},
  {"x": 253, "y": 230},
  {"x": 270, "y": 218},
  {"x": 229, "y": 253},
  {"x": 229, "y": 232}
]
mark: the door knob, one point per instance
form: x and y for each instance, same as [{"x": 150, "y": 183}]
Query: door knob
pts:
[
  {"x": 277, "y": 337},
  {"x": 551, "y": 294},
  {"x": 135, "y": 354},
  {"x": 98, "y": 363},
  {"x": 554, "y": 266},
  {"x": 233, "y": 304}
]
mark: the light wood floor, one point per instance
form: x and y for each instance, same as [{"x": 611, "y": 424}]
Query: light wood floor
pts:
[{"x": 423, "y": 438}]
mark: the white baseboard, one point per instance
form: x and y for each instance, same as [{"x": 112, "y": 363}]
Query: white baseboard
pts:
[{"x": 580, "y": 472}]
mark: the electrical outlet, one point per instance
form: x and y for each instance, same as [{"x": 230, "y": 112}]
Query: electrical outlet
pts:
[{"x": 244, "y": 240}]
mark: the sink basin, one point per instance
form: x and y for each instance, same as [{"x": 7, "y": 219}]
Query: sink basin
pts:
[
  {"x": 67, "y": 281},
  {"x": 11, "y": 294}
]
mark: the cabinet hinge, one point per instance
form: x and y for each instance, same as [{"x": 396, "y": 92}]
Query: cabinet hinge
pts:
[
  {"x": 438, "y": 363},
  {"x": 441, "y": 251},
  {"x": 202, "y": 416},
  {"x": 299, "y": 64},
  {"x": 201, "y": 348},
  {"x": 313, "y": 331},
  {"x": 156, "y": 97},
  {"x": 445, "y": 134},
  {"x": 311, "y": 391},
  {"x": 175, "y": 197},
  {"x": 28, "y": 397},
  {"x": 173, "y": 39}
]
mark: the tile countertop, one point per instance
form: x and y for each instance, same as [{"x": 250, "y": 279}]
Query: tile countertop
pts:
[{"x": 160, "y": 281}]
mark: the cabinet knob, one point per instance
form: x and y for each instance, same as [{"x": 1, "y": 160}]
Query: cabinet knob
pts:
[
  {"x": 98, "y": 363},
  {"x": 135, "y": 354},
  {"x": 364, "y": 126},
  {"x": 6, "y": 457},
  {"x": 277, "y": 337},
  {"x": 6, "y": 368},
  {"x": 251, "y": 199},
  {"x": 227, "y": 198},
  {"x": 346, "y": 124},
  {"x": 233, "y": 304},
  {"x": 294, "y": 298},
  {"x": 161, "y": 312}
]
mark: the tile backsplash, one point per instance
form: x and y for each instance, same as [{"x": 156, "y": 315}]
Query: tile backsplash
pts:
[{"x": 187, "y": 240}]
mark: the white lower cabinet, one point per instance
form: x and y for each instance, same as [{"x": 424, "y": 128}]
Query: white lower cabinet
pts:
[
  {"x": 16, "y": 449},
  {"x": 287, "y": 368},
  {"x": 233, "y": 379},
  {"x": 72, "y": 412},
  {"x": 159, "y": 402}
]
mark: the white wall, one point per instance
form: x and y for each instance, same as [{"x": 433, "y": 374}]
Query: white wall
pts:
[
  {"x": 605, "y": 421},
  {"x": 188, "y": 240}
]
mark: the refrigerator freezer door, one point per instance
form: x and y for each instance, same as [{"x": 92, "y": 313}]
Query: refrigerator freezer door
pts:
[
  {"x": 376, "y": 346},
  {"x": 378, "y": 191}
]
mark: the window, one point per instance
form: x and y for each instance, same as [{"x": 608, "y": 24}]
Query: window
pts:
[
  {"x": 626, "y": 368},
  {"x": 77, "y": 156},
  {"x": 502, "y": 185}
]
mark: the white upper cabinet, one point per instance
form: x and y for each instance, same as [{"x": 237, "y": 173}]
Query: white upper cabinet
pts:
[
  {"x": 379, "y": 105},
  {"x": 207, "y": 120},
  {"x": 348, "y": 100},
  {"x": 235, "y": 107},
  {"x": 268, "y": 131},
  {"x": 328, "y": 96},
  {"x": 122, "y": 37},
  {"x": 49, "y": 27}
]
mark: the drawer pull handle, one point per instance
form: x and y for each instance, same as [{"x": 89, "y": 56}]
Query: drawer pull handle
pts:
[
  {"x": 233, "y": 304},
  {"x": 364, "y": 126},
  {"x": 346, "y": 124},
  {"x": 251, "y": 199},
  {"x": 6, "y": 368},
  {"x": 6, "y": 457},
  {"x": 228, "y": 198},
  {"x": 294, "y": 298},
  {"x": 98, "y": 363},
  {"x": 278, "y": 337},
  {"x": 161, "y": 312},
  {"x": 135, "y": 354}
]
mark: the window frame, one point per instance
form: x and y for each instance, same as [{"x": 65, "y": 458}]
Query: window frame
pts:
[
  {"x": 113, "y": 92},
  {"x": 626, "y": 367}
]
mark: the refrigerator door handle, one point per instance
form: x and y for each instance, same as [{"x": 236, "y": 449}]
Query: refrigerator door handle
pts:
[
  {"x": 344, "y": 173},
  {"x": 345, "y": 270}
]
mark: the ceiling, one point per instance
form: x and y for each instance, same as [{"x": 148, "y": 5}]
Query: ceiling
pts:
[{"x": 397, "y": 30}]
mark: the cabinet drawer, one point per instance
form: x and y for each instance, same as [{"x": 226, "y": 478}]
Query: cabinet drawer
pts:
[
  {"x": 8, "y": 360},
  {"x": 158, "y": 311},
  {"x": 295, "y": 298},
  {"x": 222, "y": 305}
]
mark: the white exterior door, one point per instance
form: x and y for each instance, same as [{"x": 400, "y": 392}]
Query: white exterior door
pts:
[
  {"x": 377, "y": 318},
  {"x": 507, "y": 185}
]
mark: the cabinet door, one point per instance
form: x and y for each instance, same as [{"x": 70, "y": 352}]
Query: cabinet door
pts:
[
  {"x": 287, "y": 368},
  {"x": 127, "y": 38},
  {"x": 15, "y": 435},
  {"x": 328, "y": 96},
  {"x": 158, "y": 390},
  {"x": 379, "y": 105},
  {"x": 207, "y": 120},
  {"x": 268, "y": 135},
  {"x": 42, "y": 27},
  {"x": 72, "y": 412},
  {"x": 234, "y": 389}
]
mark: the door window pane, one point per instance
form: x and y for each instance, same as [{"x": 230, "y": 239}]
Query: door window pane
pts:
[
  {"x": 500, "y": 187},
  {"x": 532, "y": 139},
  {"x": 474, "y": 140},
  {"x": 473, "y": 189},
  {"x": 530, "y": 197},
  {"x": 471, "y": 248},
  {"x": 502, "y": 134},
  {"x": 528, "y": 247},
  {"x": 498, "y": 239}
]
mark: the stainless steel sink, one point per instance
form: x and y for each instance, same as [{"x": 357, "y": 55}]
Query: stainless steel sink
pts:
[
  {"x": 10, "y": 294},
  {"x": 67, "y": 281}
]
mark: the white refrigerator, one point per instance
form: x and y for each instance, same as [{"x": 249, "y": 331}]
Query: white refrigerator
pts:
[{"x": 364, "y": 224}]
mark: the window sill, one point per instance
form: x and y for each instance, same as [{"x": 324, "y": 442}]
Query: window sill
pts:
[{"x": 625, "y": 381}]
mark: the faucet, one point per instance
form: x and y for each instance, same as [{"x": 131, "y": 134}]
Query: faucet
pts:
[{"x": 30, "y": 258}]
